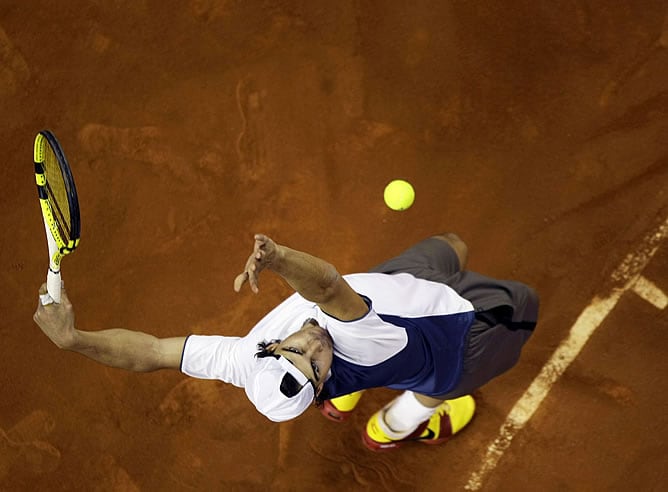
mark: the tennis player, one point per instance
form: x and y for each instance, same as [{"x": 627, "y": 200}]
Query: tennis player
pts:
[{"x": 419, "y": 323}]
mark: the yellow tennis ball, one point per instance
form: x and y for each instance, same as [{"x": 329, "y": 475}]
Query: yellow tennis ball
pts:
[{"x": 399, "y": 194}]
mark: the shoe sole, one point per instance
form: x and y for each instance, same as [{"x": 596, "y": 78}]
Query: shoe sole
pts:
[{"x": 389, "y": 446}]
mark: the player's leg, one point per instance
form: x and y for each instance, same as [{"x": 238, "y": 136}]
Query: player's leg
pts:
[
  {"x": 414, "y": 417},
  {"x": 458, "y": 245},
  {"x": 436, "y": 258}
]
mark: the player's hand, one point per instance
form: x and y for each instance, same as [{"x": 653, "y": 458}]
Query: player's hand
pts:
[
  {"x": 264, "y": 253},
  {"x": 56, "y": 320}
]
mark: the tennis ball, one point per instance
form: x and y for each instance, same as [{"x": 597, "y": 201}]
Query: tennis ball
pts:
[{"x": 399, "y": 194}]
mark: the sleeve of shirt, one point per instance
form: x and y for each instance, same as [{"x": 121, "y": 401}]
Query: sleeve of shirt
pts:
[
  {"x": 366, "y": 341},
  {"x": 214, "y": 357}
]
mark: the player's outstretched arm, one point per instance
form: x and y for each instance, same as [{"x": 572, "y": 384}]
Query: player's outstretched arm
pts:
[
  {"x": 125, "y": 349},
  {"x": 314, "y": 278}
]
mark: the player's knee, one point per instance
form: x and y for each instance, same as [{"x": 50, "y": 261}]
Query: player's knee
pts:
[{"x": 458, "y": 245}]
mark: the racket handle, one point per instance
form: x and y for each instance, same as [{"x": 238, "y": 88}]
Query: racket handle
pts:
[{"x": 53, "y": 285}]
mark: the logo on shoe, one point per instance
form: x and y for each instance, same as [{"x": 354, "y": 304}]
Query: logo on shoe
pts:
[{"x": 430, "y": 435}]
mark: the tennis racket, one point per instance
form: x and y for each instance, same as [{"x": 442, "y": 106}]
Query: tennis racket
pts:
[{"x": 60, "y": 207}]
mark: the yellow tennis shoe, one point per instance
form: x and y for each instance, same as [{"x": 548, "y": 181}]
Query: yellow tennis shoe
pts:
[
  {"x": 340, "y": 408},
  {"x": 450, "y": 417}
]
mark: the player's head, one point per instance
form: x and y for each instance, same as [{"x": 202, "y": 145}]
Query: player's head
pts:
[{"x": 290, "y": 373}]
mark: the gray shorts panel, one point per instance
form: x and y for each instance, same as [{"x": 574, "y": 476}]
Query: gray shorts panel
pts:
[
  {"x": 492, "y": 350},
  {"x": 432, "y": 259}
]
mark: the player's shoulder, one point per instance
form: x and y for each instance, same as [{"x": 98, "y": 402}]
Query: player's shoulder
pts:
[
  {"x": 406, "y": 295},
  {"x": 386, "y": 280}
]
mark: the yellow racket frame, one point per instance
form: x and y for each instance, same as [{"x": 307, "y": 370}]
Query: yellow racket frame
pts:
[{"x": 58, "y": 247}]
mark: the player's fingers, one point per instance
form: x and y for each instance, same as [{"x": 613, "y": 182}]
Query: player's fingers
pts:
[
  {"x": 260, "y": 249},
  {"x": 44, "y": 299},
  {"x": 252, "y": 281},
  {"x": 64, "y": 299},
  {"x": 239, "y": 281},
  {"x": 40, "y": 306},
  {"x": 40, "y": 310}
]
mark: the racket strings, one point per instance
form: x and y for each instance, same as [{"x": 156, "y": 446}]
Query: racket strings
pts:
[{"x": 57, "y": 191}]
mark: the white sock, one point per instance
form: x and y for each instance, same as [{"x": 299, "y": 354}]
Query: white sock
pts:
[{"x": 405, "y": 414}]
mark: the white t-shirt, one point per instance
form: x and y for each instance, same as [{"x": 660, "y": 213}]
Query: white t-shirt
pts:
[{"x": 413, "y": 337}]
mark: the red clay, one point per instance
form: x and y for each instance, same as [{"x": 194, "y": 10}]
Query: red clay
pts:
[{"x": 535, "y": 131}]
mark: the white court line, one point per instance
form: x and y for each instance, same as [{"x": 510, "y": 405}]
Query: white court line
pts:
[
  {"x": 625, "y": 277},
  {"x": 648, "y": 290}
]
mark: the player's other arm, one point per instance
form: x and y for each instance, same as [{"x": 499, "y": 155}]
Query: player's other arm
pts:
[
  {"x": 314, "y": 278},
  {"x": 125, "y": 349}
]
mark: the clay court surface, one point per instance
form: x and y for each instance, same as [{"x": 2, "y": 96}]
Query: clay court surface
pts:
[{"x": 535, "y": 130}]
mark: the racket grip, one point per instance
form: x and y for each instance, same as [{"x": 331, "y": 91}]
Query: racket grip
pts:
[{"x": 53, "y": 285}]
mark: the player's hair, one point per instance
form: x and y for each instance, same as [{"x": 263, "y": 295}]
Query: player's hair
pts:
[{"x": 263, "y": 350}]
